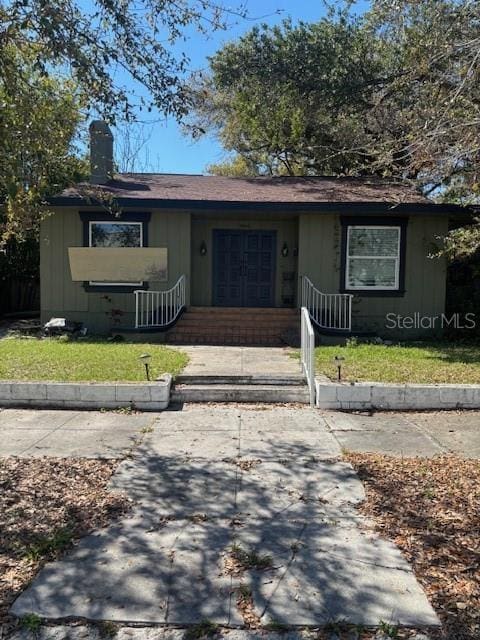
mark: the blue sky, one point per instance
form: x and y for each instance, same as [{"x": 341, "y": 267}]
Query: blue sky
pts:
[{"x": 167, "y": 150}]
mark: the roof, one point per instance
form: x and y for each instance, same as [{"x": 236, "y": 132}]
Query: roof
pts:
[
  {"x": 261, "y": 189},
  {"x": 142, "y": 189}
]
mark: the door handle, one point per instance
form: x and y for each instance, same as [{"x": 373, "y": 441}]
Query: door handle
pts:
[{"x": 244, "y": 266}]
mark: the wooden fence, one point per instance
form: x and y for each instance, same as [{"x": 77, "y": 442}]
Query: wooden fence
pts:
[{"x": 18, "y": 295}]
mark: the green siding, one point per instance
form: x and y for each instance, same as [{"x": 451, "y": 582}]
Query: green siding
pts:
[
  {"x": 202, "y": 231},
  {"x": 64, "y": 298},
  {"x": 425, "y": 278},
  {"x": 317, "y": 237}
]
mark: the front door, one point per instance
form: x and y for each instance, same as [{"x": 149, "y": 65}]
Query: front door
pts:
[{"x": 243, "y": 268}]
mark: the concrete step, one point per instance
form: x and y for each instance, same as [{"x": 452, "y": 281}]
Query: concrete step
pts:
[
  {"x": 239, "y": 393},
  {"x": 235, "y": 379}
]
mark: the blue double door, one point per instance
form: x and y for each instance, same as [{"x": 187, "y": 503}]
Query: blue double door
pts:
[{"x": 244, "y": 268}]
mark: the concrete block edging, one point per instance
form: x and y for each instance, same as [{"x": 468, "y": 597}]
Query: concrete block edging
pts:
[
  {"x": 146, "y": 396},
  {"x": 400, "y": 397}
]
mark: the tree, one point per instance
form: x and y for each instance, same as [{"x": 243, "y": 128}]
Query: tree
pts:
[
  {"x": 393, "y": 93},
  {"x": 434, "y": 55},
  {"x": 99, "y": 41},
  {"x": 39, "y": 120},
  {"x": 96, "y": 45},
  {"x": 292, "y": 99},
  {"x": 435, "y": 45},
  {"x": 236, "y": 167}
]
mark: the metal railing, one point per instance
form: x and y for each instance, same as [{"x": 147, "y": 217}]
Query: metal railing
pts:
[
  {"x": 307, "y": 353},
  {"x": 159, "y": 308},
  {"x": 327, "y": 310}
]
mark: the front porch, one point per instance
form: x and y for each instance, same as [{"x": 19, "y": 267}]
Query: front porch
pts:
[
  {"x": 244, "y": 260},
  {"x": 167, "y": 312},
  {"x": 245, "y": 283}
]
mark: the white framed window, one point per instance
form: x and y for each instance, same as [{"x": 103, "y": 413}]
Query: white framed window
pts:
[
  {"x": 373, "y": 257},
  {"x": 115, "y": 234}
]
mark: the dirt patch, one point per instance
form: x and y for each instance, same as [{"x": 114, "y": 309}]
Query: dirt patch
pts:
[
  {"x": 245, "y": 464},
  {"x": 45, "y": 505},
  {"x": 238, "y": 560},
  {"x": 430, "y": 508},
  {"x": 246, "y": 608}
]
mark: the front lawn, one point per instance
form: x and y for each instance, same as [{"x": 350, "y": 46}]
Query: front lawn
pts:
[
  {"x": 436, "y": 362},
  {"x": 84, "y": 360}
]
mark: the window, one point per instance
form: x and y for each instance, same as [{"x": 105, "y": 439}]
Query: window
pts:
[
  {"x": 129, "y": 229},
  {"x": 373, "y": 257},
  {"x": 115, "y": 234}
]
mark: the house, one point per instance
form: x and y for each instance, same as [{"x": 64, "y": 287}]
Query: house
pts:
[{"x": 136, "y": 249}]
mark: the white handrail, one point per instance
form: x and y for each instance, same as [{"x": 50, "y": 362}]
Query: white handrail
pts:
[
  {"x": 159, "y": 308},
  {"x": 327, "y": 310},
  {"x": 307, "y": 353}
]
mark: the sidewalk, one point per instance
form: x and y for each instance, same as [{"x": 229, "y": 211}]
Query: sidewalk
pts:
[{"x": 240, "y": 514}]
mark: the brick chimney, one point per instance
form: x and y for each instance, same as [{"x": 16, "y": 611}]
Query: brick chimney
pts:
[{"x": 101, "y": 152}]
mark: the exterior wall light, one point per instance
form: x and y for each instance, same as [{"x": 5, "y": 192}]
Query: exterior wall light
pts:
[
  {"x": 203, "y": 248},
  {"x": 145, "y": 359},
  {"x": 285, "y": 251}
]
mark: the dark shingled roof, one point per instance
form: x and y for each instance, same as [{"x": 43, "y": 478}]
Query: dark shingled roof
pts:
[{"x": 308, "y": 190}]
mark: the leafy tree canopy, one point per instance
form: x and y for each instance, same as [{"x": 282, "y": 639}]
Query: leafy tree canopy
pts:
[
  {"x": 97, "y": 45},
  {"x": 99, "y": 42},
  {"x": 393, "y": 93},
  {"x": 39, "y": 118},
  {"x": 434, "y": 91},
  {"x": 289, "y": 99},
  {"x": 236, "y": 167}
]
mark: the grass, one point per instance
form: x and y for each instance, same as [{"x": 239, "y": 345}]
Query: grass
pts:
[
  {"x": 31, "y": 622},
  {"x": 84, "y": 360},
  {"x": 276, "y": 626},
  {"x": 435, "y": 362},
  {"x": 44, "y": 546},
  {"x": 204, "y": 629},
  {"x": 107, "y": 629},
  {"x": 250, "y": 559},
  {"x": 389, "y": 630}
]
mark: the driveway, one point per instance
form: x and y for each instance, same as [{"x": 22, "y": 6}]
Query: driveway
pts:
[{"x": 238, "y": 513}]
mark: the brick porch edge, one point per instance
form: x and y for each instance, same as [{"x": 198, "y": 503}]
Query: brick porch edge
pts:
[
  {"x": 375, "y": 395},
  {"x": 146, "y": 396}
]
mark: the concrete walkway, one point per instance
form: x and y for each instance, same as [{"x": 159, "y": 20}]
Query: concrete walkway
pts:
[
  {"x": 408, "y": 434},
  {"x": 110, "y": 434},
  {"x": 64, "y": 434},
  {"x": 212, "y": 482},
  {"x": 211, "y": 360}
]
